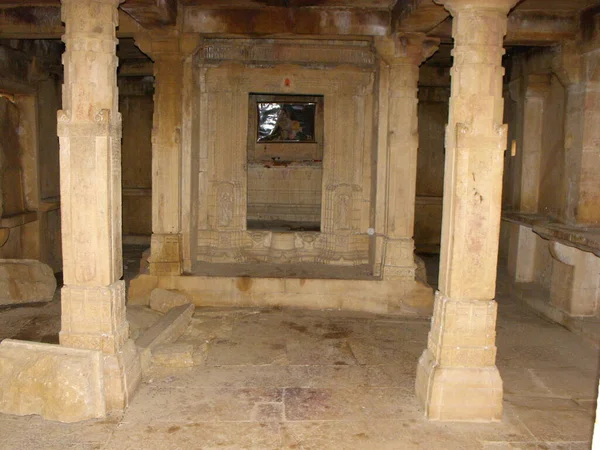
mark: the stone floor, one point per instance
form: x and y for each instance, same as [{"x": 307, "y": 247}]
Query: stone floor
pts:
[{"x": 296, "y": 379}]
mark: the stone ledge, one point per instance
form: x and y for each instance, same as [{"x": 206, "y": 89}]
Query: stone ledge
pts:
[
  {"x": 56, "y": 382},
  {"x": 398, "y": 297},
  {"x": 581, "y": 237}
]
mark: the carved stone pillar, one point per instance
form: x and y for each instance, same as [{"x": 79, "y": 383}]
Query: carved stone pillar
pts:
[
  {"x": 456, "y": 377},
  {"x": 168, "y": 52},
  {"x": 403, "y": 54},
  {"x": 89, "y": 128}
]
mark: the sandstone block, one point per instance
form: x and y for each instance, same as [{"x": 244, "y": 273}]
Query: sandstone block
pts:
[
  {"x": 174, "y": 355},
  {"x": 163, "y": 300},
  {"x": 25, "y": 281},
  {"x": 166, "y": 330},
  {"x": 56, "y": 382}
]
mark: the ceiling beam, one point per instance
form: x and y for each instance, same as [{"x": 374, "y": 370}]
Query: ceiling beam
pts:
[
  {"x": 527, "y": 28},
  {"x": 270, "y": 21}
]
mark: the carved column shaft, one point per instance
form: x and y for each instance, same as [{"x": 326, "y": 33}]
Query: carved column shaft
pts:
[
  {"x": 169, "y": 53},
  {"x": 403, "y": 55},
  {"x": 89, "y": 129},
  {"x": 457, "y": 378}
]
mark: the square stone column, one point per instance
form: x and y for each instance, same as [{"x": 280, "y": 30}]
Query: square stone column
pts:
[
  {"x": 457, "y": 379},
  {"x": 403, "y": 54},
  {"x": 168, "y": 51},
  {"x": 576, "y": 65},
  {"x": 89, "y": 129},
  {"x": 523, "y": 241}
]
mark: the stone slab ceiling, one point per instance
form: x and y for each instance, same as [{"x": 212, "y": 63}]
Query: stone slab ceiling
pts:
[{"x": 532, "y": 22}]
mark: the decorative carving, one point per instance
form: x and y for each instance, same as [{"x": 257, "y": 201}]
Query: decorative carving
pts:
[
  {"x": 63, "y": 115},
  {"x": 225, "y": 197},
  {"x": 336, "y": 52},
  {"x": 102, "y": 116}
]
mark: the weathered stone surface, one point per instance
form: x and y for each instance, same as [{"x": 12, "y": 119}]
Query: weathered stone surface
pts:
[
  {"x": 173, "y": 355},
  {"x": 25, "y": 281},
  {"x": 163, "y": 300},
  {"x": 56, "y": 382}
]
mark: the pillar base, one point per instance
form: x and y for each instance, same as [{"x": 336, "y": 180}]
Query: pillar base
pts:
[
  {"x": 465, "y": 394},
  {"x": 456, "y": 376},
  {"x": 166, "y": 254}
]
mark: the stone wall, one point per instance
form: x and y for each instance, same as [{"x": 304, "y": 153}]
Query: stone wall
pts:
[
  {"x": 550, "y": 194},
  {"x": 29, "y": 173}
]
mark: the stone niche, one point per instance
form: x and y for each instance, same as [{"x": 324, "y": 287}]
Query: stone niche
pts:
[{"x": 280, "y": 201}]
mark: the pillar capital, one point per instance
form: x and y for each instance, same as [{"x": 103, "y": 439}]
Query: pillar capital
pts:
[
  {"x": 537, "y": 85},
  {"x": 455, "y": 6},
  {"x": 167, "y": 45},
  {"x": 406, "y": 48}
]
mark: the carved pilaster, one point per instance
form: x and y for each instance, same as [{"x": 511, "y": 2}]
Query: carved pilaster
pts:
[
  {"x": 456, "y": 377},
  {"x": 402, "y": 54},
  {"x": 169, "y": 52}
]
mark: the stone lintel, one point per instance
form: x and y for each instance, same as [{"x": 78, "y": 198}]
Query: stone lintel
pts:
[{"x": 56, "y": 382}]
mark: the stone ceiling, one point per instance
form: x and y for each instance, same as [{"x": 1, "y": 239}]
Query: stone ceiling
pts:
[{"x": 532, "y": 22}]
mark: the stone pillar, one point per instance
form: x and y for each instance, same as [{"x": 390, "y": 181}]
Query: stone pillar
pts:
[
  {"x": 403, "y": 54},
  {"x": 576, "y": 67},
  {"x": 523, "y": 241},
  {"x": 456, "y": 376},
  {"x": 536, "y": 92},
  {"x": 168, "y": 51},
  {"x": 89, "y": 128}
]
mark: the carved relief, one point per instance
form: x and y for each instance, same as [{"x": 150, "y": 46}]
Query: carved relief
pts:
[{"x": 225, "y": 199}]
